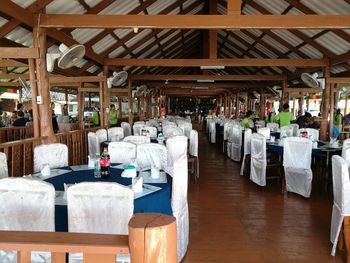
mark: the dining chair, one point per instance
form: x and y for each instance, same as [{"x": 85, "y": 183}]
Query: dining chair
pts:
[
  {"x": 297, "y": 165},
  {"x": 171, "y": 131},
  {"x": 122, "y": 152},
  {"x": 127, "y": 128},
  {"x": 101, "y": 135},
  {"x": 93, "y": 144},
  {"x": 137, "y": 139},
  {"x": 152, "y": 122},
  {"x": 193, "y": 159},
  {"x": 246, "y": 149},
  {"x": 212, "y": 131},
  {"x": 235, "y": 140},
  {"x": 26, "y": 205},
  {"x": 176, "y": 147},
  {"x": 313, "y": 134},
  {"x": 341, "y": 205},
  {"x": 152, "y": 131},
  {"x": 345, "y": 153},
  {"x": 295, "y": 129},
  {"x": 99, "y": 208},
  {"x": 265, "y": 131},
  {"x": 272, "y": 125},
  {"x": 258, "y": 159},
  {"x": 139, "y": 123},
  {"x": 186, "y": 128},
  {"x": 227, "y": 127},
  {"x": 115, "y": 132},
  {"x": 3, "y": 166},
  {"x": 150, "y": 155},
  {"x": 179, "y": 204},
  {"x": 54, "y": 154},
  {"x": 136, "y": 128},
  {"x": 286, "y": 131}
]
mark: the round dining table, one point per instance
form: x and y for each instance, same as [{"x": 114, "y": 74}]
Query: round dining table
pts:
[{"x": 156, "y": 202}]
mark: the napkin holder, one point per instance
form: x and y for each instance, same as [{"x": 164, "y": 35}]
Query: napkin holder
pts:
[
  {"x": 137, "y": 184},
  {"x": 129, "y": 172}
]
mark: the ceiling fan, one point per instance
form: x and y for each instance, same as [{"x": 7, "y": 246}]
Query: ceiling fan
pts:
[
  {"x": 117, "y": 79},
  {"x": 67, "y": 57},
  {"x": 313, "y": 81}
]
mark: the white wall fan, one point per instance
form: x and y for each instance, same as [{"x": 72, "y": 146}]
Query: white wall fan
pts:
[
  {"x": 67, "y": 57},
  {"x": 313, "y": 81},
  {"x": 141, "y": 91},
  {"x": 117, "y": 79}
]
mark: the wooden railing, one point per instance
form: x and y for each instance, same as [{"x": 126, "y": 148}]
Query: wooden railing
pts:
[
  {"x": 15, "y": 133},
  {"x": 152, "y": 239},
  {"x": 20, "y": 153}
]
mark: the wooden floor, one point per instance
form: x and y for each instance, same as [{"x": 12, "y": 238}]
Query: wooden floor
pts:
[{"x": 233, "y": 220}]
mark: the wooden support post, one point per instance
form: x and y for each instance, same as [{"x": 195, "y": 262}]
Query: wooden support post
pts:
[
  {"x": 301, "y": 102},
  {"x": 262, "y": 106},
  {"x": 325, "y": 109},
  {"x": 142, "y": 108},
  {"x": 237, "y": 105},
  {"x": 46, "y": 129},
  {"x": 308, "y": 103},
  {"x": 130, "y": 102},
  {"x": 152, "y": 237},
  {"x": 103, "y": 114},
  {"x": 225, "y": 104},
  {"x": 33, "y": 87},
  {"x": 106, "y": 96},
  {"x": 331, "y": 110},
  {"x": 81, "y": 107},
  {"x": 66, "y": 97},
  {"x": 120, "y": 102}
]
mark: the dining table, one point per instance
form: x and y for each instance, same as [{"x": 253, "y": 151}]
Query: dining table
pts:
[{"x": 155, "y": 199}]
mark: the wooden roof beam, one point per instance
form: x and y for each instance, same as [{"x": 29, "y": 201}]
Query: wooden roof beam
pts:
[
  {"x": 19, "y": 52},
  {"x": 234, "y": 22},
  {"x": 207, "y": 77}
]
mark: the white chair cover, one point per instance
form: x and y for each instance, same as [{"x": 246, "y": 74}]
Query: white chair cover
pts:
[
  {"x": 3, "y": 166},
  {"x": 139, "y": 123},
  {"x": 127, "y": 129},
  {"x": 122, "y": 152},
  {"x": 176, "y": 146},
  {"x": 93, "y": 144},
  {"x": 212, "y": 131},
  {"x": 295, "y": 129},
  {"x": 179, "y": 204},
  {"x": 99, "y": 207},
  {"x": 171, "y": 131},
  {"x": 260, "y": 124},
  {"x": 313, "y": 134},
  {"x": 26, "y": 205},
  {"x": 246, "y": 147},
  {"x": 152, "y": 131},
  {"x": 115, "y": 131},
  {"x": 153, "y": 123},
  {"x": 341, "y": 193},
  {"x": 101, "y": 135},
  {"x": 258, "y": 159},
  {"x": 186, "y": 128},
  {"x": 136, "y": 128},
  {"x": 345, "y": 153},
  {"x": 151, "y": 155},
  {"x": 137, "y": 139},
  {"x": 297, "y": 165},
  {"x": 227, "y": 126},
  {"x": 265, "y": 131},
  {"x": 236, "y": 143},
  {"x": 54, "y": 154},
  {"x": 193, "y": 150},
  {"x": 287, "y": 131},
  {"x": 272, "y": 125}
]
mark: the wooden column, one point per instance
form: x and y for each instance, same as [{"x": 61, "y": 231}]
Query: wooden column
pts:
[
  {"x": 142, "y": 108},
  {"x": 331, "y": 110},
  {"x": 105, "y": 97},
  {"x": 45, "y": 112},
  {"x": 326, "y": 102},
  {"x": 66, "y": 96},
  {"x": 237, "y": 104},
  {"x": 229, "y": 105},
  {"x": 120, "y": 102},
  {"x": 81, "y": 107},
  {"x": 103, "y": 114},
  {"x": 130, "y": 102},
  {"x": 301, "y": 102},
  {"x": 308, "y": 103},
  {"x": 285, "y": 95},
  {"x": 262, "y": 106},
  {"x": 33, "y": 87}
]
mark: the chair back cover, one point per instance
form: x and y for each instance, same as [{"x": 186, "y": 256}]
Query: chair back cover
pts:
[
  {"x": 345, "y": 153},
  {"x": 176, "y": 146},
  {"x": 297, "y": 165},
  {"x": 246, "y": 147},
  {"x": 193, "y": 150},
  {"x": 54, "y": 154},
  {"x": 179, "y": 204},
  {"x": 341, "y": 195},
  {"x": 272, "y": 125},
  {"x": 186, "y": 128},
  {"x": 93, "y": 144},
  {"x": 26, "y": 205},
  {"x": 115, "y": 131},
  {"x": 260, "y": 123},
  {"x": 295, "y": 129},
  {"x": 99, "y": 207},
  {"x": 212, "y": 130},
  {"x": 236, "y": 145},
  {"x": 3, "y": 166},
  {"x": 137, "y": 139},
  {"x": 153, "y": 123},
  {"x": 122, "y": 152},
  {"x": 258, "y": 159},
  {"x": 151, "y": 155},
  {"x": 313, "y": 134},
  {"x": 265, "y": 131},
  {"x": 126, "y": 127},
  {"x": 171, "y": 131},
  {"x": 101, "y": 135},
  {"x": 152, "y": 131},
  {"x": 136, "y": 128},
  {"x": 287, "y": 131},
  {"x": 139, "y": 123},
  {"x": 227, "y": 127}
]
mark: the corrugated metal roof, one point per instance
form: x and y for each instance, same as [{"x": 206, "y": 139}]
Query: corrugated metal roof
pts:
[
  {"x": 289, "y": 37},
  {"x": 149, "y": 51},
  {"x": 23, "y": 3},
  {"x": 334, "y": 43},
  {"x": 120, "y": 7},
  {"x": 104, "y": 43},
  {"x": 93, "y": 69},
  {"x": 274, "y": 6},
  {"x": 337, "y": 69},
  {"x": 145, "y": 44},
  {"x": 311, "y": 51},
  {"x": 116, "y": 52},
  {"x": 22, "y": 36},
  {"x": 122, "y": 32},
  {"x": 327, "y": 6},
  {"x": 159, "y": 6},
  {"x": 275, "y": 44},
  {"x": 138, "y": 37},
  {"x": 92, "y": 3},
  {"x": 84, "y": 35},
  {"x": 169, "y": 37},
  {"x": 266, "y": 51},
  {"x": 3, "y": 21},
  {"x": 81, "y": 63},
  {"x": 244, "y": 36},
  {"x": 65, "y": 7}
]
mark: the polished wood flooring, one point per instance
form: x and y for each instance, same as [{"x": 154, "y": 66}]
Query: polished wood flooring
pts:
[{"x": 233, "y": 220}]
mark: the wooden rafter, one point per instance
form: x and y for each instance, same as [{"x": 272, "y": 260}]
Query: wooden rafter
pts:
[{"x": 207, "y": 77}]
